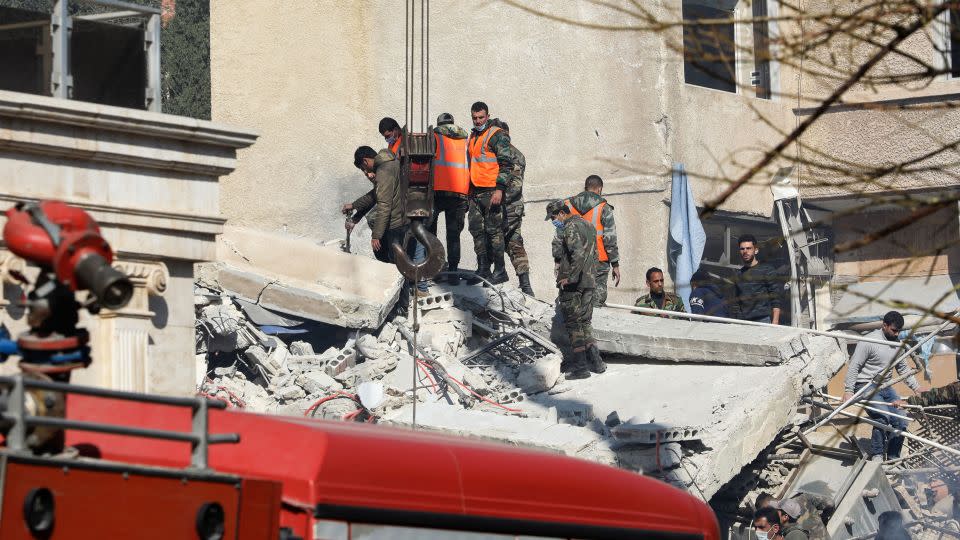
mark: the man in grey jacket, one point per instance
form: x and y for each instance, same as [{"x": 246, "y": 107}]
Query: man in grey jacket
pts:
[{"x": 867, "y": 362}]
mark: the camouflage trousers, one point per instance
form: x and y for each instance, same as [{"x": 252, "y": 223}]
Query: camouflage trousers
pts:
[
  {"x": 576, "y": 308},
  {"x": 512, "y": 219},
  {"x": 486, "y": 226},
  {"x": 600, "y": 293}
]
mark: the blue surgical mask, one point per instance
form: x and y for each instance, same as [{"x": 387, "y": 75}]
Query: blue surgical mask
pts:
[
  {"x": 557, "y": 223},
  {"x": 478, "y": 129},
  {"x": 391, "y": 140},
  {"x": 761, "y": 535}
]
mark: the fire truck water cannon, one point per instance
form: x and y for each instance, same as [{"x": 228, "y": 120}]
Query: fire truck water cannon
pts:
[{"x": 65, "y": 242}]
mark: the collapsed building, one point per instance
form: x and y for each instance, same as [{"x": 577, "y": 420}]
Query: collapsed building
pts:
[{"x": 711, "y": 408}]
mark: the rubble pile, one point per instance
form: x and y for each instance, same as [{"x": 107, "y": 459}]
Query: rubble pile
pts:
[{"x": 485, "y": 362}]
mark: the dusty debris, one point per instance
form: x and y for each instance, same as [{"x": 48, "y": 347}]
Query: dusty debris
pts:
[{"x": 486, "y": 363}]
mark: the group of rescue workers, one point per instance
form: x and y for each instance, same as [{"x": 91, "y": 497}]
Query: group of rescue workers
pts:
[{"x": 478, "y": 177}]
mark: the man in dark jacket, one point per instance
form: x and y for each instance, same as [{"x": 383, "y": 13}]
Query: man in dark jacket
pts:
[
  {"x": 757, "y": 289},
  {"x": 388, "y": 223},
  {"x": 706, "y": 298},
  {"x": 576, "y": 279}
]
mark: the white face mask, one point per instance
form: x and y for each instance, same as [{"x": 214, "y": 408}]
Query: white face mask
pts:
[{"x": 762, "y": 535}]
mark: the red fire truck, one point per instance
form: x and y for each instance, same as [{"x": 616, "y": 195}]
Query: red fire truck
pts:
[
  {"x": 355, "y": 481},
  {"x": 81, "y": 462}
]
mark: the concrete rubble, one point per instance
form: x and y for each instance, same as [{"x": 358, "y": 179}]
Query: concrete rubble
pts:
[{"x": 699, "y": 401}]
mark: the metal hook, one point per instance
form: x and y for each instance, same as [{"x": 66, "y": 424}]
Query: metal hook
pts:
[{"x": 431, "y": 266}]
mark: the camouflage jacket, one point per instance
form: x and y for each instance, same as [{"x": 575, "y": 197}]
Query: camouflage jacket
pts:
[
  {"x": 585, "y": 201},
  {"x": 384, "y": 199},
  {"x": 945, "y": 395},
  {"x": 514, "y": 191},
  {"x": 811, "y": 521},
  {"x": 671, "y": 302},
  {"x": 578, "y": 254},
  {"x": 499, "y": 144}
]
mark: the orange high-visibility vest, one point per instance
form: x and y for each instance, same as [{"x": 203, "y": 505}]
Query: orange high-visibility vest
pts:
[
  {"x": 395, "y": 147},
  {"x": 593, "y": 217},
  {"x": 451, "y": 172},
  {"x": 483, "y": 162}
]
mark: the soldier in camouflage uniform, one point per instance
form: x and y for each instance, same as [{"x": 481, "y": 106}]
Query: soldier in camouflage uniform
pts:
[
  {"x": 584, "y": 204},
  {"x": 513, "y": 215},
  {"x": 812, "y": 519},
  {"x": 485, "y": 216},
  {"x": 576, "y": 279},
  {"x": 657, "y": 298}
]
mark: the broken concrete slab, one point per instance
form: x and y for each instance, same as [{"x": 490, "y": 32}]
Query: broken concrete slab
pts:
[
  {"x": 318, "y": 382},
  {"x": 298, "y": 277},
  {"x": 740, "y": 408},
  {"x": 674, "y": 340},
  {"x": 225, "y": 327},
  {"x": 371, "y": 370},
  {"x": 528, "y": 432}
]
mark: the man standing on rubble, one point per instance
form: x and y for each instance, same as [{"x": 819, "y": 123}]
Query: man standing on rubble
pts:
[
  {"x": 576, "y": 279},
  {"x": 591, "y": 206},
  {"x": 513, "y": 214},
  {"x": 451, "y": 185},
  {"x": 866, "y": 363},
  {"x": 758, "y": 295},
  {"x": 388, "y": 223},
  {"x": 491, "y": 164},
  {"x": 658, "y": 298}
]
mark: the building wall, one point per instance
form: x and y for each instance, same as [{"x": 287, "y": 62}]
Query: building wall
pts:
[
  {"x": 314, "y": 78},
  {"x": 151, "y": 182}
]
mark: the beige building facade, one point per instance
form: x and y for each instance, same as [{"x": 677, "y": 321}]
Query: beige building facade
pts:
[
  {"x": 314, "y": 78},
  {"x": 151, "y": 182}
]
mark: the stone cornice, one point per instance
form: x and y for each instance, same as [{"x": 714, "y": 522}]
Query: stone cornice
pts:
[
  {"x": 81, "y": 131},
  {"x": 138, "y": 217},
  {"x": 104, "y": 117}
]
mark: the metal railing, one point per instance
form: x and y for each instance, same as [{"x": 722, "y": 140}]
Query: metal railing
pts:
[{"x": 199, "y": 437}]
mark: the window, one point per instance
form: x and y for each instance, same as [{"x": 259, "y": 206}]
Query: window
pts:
[
  {"x": 954, "y": 41},
  {"x": 709, "y": 50},
  {"x": 761, "y": 50}
]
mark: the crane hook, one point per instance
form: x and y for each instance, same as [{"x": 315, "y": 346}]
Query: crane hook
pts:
[{"x": 432, "y": 265}]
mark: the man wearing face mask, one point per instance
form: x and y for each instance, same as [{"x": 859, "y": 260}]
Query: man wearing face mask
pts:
[
  {"x": 390, "y": 130},
  {"x": 766, "y": 524},
  {"x": 491, "y": 164},
  {"x": 867, "y": 362},
  {"x": 576, "y": 256}
]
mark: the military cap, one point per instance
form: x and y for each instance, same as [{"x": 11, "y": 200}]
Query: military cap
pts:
[
  {"x": 556, "y": 207},
  {"x": 789, "y": 506},
  {"x": 444, "y": 118}
]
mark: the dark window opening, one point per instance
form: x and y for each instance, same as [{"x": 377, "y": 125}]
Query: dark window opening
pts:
[
  {"x": 709, "y": 50},
  {"x": 108, "y": 62},
  {"x": 955, "y": 42},
  {"x": 761, "y": 50},
  {"x": 21, "y": 33}
]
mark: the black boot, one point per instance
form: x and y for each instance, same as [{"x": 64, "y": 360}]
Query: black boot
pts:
[
  {"x": 499, "y": 271},
  {"x": 483, "y": 271},
  {"x": 578, "y": 367},
  {"x": 525, "y": 283},
  {"x": 594, "y": 362},
  {"x": 453, "y": 278}
]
